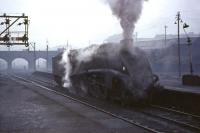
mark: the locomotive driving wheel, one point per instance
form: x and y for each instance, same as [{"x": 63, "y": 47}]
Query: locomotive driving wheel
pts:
[
  {"x": 98, "y": 91},
  {"x": 124, "y": 100}
]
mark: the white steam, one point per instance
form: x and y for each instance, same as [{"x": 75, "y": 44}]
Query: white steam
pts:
[
  {"x": 67, "y": 67},
  {"x": 128, "y": 12},
  {"x": 82, "y": 55}
]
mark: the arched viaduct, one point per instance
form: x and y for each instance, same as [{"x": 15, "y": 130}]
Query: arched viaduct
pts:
[{"x": 29, "y": 56}]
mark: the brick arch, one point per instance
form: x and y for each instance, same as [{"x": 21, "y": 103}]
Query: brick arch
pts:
[
  {"x": 43, "y": 64},
  {"x": 40, "y": 58},
  {"x": 28, "y": 62},
  {"x": 29, "y": 56},
  {"x": 1, "y": 65}
]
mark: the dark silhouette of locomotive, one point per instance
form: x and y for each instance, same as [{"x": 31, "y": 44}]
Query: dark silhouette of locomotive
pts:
[{"x": 109, "y": 71}]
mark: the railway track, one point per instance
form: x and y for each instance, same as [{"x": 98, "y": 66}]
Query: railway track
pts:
[
  {"x": 151, "y": 118},
  {"x": 87, "y": 104},
  {"x": 183, "y": 121},
  {"x": 175, "y": 111}
]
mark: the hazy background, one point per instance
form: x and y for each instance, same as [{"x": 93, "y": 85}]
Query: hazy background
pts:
[{"x": 82, "y": 22}]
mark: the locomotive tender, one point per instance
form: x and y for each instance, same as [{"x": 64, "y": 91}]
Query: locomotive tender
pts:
[{"x": 109, "y": 71}]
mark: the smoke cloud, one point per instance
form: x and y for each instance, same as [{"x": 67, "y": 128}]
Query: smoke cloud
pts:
[{"x": 128, "y": 12}]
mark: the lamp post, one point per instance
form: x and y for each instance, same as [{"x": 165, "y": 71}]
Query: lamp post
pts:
[
  {"x": 189, "y": 47},
  {"x": 178, "y": 21}
]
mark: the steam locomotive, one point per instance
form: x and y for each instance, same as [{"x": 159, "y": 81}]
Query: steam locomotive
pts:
[{"x": 109, "y": 71}]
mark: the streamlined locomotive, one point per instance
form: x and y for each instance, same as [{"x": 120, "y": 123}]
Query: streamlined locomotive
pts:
[{"x": 109, "y": 71}]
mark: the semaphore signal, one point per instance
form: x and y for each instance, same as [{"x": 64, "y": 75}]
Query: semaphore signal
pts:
[{"x": 10, "y": 35}]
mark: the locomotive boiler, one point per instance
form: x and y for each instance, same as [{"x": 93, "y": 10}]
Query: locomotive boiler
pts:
[{"x": 109, "y": 71}]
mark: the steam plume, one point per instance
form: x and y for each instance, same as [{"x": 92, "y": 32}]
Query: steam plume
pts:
[
  {"x": 65, "y": 62},
  {"x": 128, "y": 12}
]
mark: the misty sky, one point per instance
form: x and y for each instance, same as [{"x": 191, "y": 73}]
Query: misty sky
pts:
[{"x": 84, "y": 21}]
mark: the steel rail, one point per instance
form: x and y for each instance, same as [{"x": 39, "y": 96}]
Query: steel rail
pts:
[
  {"x": 91, "y": 106},
  {"x": 175, "y": 111}
]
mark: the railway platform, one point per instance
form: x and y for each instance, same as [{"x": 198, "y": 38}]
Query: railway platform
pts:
[
  {"x": 174, "y": 83},
  {"x": 176, "y": 95}
]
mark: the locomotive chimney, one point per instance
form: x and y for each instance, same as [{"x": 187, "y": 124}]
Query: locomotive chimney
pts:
[{"x": 127, "y": 43}]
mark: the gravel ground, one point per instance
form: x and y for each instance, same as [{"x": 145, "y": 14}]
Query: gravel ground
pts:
[{"x": 25, "y": 108}]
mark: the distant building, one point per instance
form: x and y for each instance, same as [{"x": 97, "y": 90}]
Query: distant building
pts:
[{"x": 171, "y": 36}]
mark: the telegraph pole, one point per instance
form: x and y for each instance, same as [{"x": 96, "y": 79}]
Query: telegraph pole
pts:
[
  {"x": 34, "y": 56},
  {"x": 136, "y": 37},
  {"x": 166, "y": 35},
  {"x": 89, "y": 42},
  {"x": 178, "y": 20},
  {"x": 67, "y": 44},
  {"x": 47, "y": 56},
  {"x": 32, "y": 44},
  {"x": 179, "y": 52}
]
